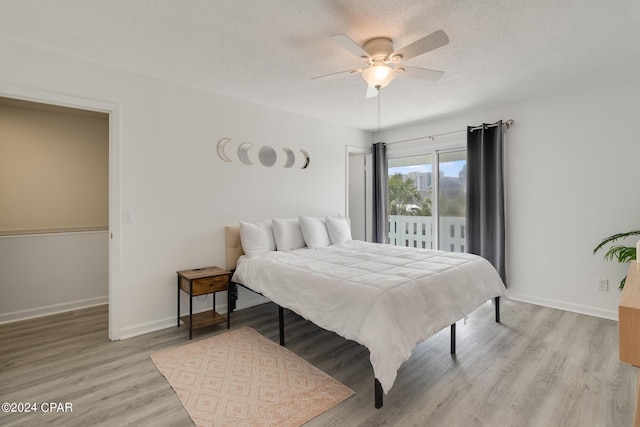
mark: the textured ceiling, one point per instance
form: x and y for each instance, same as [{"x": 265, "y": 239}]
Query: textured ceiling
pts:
[{"x": 267, "y": 51}]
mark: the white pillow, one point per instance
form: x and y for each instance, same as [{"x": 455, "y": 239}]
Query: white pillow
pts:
[
  {"x": 287, "y": 234},
  {"x": 314, "y": 232},
  {"x": 339, "y": 230},
  {"x": 256, "y": 238}
]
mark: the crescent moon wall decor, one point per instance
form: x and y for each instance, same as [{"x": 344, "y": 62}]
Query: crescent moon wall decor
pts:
[
  {"x": 291, "y": 158},
  {"x": 267, "y": 155},
  {"x": 220, "y": 149},
  {"x": 306, "y": 159},
  {"x": 243, "y": 153}
]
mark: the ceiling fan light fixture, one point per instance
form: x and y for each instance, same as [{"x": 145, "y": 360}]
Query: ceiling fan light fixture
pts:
[{"x": 378, "y": 75}]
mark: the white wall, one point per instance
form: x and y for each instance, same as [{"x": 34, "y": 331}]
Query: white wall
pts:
[
  {"x": 181, "y": 194},
  {"x": 572, "y": 179},
  {"x": 49, "y": 273}
]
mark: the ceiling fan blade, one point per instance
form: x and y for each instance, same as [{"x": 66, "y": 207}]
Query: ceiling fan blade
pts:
[
  {"x": 432, "y": 41},
  {"x": 337, "y": 74},
  {"x": 372, "y": 92},
  {"x": 349, "y": 45},
  {"x": 422, "y": 73}
]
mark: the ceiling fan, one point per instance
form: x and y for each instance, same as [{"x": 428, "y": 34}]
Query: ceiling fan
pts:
[{"x": 382, "y": 59}]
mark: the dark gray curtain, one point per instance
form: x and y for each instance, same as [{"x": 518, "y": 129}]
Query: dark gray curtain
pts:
[
  {"x": 485, "y": 195},
  {"x": 380, "y": 172}
]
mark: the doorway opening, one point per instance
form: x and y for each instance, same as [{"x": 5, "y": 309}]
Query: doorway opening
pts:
[
  {"x": 358, "y": 192},
  {"x": 88, "y": 107}
]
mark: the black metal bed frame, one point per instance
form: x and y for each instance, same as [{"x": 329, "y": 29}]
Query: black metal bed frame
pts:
[{"x": 378, "y": 392}]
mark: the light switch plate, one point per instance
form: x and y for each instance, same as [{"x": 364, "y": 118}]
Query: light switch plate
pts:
[{"x": 127, "y": 216}]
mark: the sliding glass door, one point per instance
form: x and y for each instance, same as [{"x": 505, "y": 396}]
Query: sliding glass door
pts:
[
  {"x": 410, "y": 201},
  {"x": 452, "y": 203},
  {"x": 427, "y": 210}
]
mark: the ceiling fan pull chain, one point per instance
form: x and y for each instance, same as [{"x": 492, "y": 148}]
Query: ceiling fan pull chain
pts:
[{"x": 379, "y": 94}]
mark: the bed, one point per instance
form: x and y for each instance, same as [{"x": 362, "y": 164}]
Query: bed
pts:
[{"x": 387, "y": 298}]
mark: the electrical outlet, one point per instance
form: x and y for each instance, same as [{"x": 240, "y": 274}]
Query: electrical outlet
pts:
[{"x": 602, "y": 284}]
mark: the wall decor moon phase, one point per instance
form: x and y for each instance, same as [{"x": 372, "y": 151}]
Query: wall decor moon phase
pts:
[
  {"x": 291, "y": 158},
  {"x": 220, "y": 149},
  {"x": 306, "y": 159},
  {"x": 267, "y": 156},
  {"x": 243, "y": 153}
]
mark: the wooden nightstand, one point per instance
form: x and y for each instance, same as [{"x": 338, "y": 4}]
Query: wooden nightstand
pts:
[{"x": 203, "y": 281}]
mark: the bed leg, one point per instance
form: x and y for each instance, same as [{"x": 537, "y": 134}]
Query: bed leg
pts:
[
  {"x": 378, "y": 394},
  {"x": 281, "y": 324},
  {"x": 453, "y": 338},
  {"x": 497, "y": 309},
  {"x": 233, "y": 292}
]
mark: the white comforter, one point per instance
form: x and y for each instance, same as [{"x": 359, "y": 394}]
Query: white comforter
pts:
[{"x": 387, "y": 298}]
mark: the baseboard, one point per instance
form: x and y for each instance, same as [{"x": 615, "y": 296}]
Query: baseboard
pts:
[
  {"x": 170, "y": 322},
  {"x": 563, "y": 305},
  {"x": 31, "y": 313}
]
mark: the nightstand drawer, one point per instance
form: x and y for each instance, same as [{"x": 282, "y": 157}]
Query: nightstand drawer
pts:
[{"x": 207, "y": 285}]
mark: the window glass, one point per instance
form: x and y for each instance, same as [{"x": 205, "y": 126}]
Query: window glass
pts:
[
  {"x": 452, "y": 199},
  {"x": 410, "y": 207},
  {"x": 414, "y": 219}
]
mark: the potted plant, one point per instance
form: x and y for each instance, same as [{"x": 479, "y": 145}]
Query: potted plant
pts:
[{"x": 622, "y": 254}]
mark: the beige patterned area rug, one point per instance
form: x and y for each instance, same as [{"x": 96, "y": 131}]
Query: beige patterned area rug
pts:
[{"x": 240, "y": 378}]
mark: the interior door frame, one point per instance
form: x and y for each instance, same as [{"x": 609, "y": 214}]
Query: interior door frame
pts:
[{"x": 113, "y": 110}]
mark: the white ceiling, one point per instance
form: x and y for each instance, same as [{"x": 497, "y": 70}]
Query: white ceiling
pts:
[{"x": 267, "y": 51}]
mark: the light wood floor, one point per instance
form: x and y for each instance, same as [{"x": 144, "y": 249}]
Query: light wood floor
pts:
[{"x": 539, "y": 367}]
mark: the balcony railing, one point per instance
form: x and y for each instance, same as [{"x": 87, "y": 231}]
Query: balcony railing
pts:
[{"x": 417, "y": 232}]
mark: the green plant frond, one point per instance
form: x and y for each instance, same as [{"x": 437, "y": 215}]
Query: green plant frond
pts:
[
  {"x": 620, "y": 253},
  {"x": 616, "y": 237}
]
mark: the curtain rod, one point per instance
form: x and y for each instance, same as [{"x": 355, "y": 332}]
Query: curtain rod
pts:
[{"x": 507, "y": 123}]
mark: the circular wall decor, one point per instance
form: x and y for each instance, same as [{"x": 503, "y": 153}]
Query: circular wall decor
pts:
[
  {"x": 267, "y": 156},
  {"x": 243, "y": 153}
]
